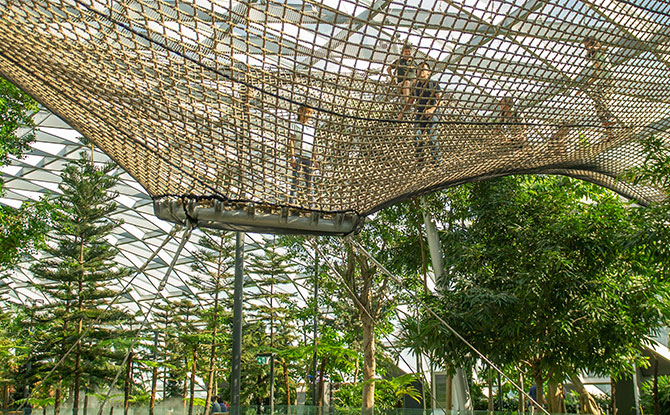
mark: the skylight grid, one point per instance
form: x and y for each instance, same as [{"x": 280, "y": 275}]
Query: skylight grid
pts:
[{"x": 206, "y": 93}]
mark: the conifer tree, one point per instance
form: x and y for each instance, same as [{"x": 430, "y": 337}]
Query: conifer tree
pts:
[
  {"x": 271, "y": 302},
  {"x": 215, "y": 265},
  {"x": 166, "y": 321},
  {"x": 78, "y": 274},
  {"x": 189, "y": 325}
]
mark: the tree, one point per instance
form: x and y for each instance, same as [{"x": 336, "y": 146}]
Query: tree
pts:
[
  {"x": 651, "y": 236},
  {"x": 167, "y": 323},
  {"x": 549, "y": 254},
  {"x": 357, "y": 292},
  {"x": 215, "y": 261},
  {"x": 79, "y": 271},
  {"x": 189, "y": 337},
  {"x": 21, "y": 230},
  {"x": 268, "y": 269}
]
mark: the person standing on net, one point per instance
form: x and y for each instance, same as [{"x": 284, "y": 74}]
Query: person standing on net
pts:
[
  {"x": 403, "y": 74},
  {"x": 511, "y": 128},
  {"x": 426, "y": 98},
  {"x": 301, "y": 150},
  {"x": 599, "y": 83}
]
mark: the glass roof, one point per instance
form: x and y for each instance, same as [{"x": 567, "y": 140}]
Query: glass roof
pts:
[{"x": 38, "y": 174}]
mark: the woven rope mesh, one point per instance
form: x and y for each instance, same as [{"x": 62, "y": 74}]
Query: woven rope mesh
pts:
[{"x": 198, "y": 97}]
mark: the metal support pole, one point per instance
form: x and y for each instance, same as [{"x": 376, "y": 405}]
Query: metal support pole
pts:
[
  {"x": 272, "y": 349},
  {"x": 463, "y": 400},
  {"x": 272, "y": 383},
  {"x": 316, "y": 326},
  {"x": 235, "y": 381},
  {"x": 500, "y": 395}
]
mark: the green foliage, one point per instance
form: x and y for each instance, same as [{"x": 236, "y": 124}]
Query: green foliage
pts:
[
  {"x": 550, "y": 255},
  {"x": 655, "y": 170},
  {"x": 78, "y": 274},
  {"x": 389, "y": 393},
  {"x": 167, "y": 322},
  {"x": 22, "y": 230},
  {"x": 652, "y": 233},
  {"x": 16, "y": 112},
  {"x": 647, "y": 396}
]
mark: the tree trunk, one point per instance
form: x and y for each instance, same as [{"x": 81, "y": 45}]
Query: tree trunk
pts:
[
  {"x": 657, "y": 406},
  {"x": 85, "y": 409},
  {"x": 77, "y": 361},
  {"x": 185, "y": 394},
  {"x": 77, "y": 356},
  {"x": 539, "y": 387},
  {"x": 555, "y": 397},
  {"x": 369, "y": 365},
  {"x": 286, "y": 383},
  {"x": 127, "y": 383},
  {"x": 615, "y": 409},
  {"x": 192, "y": 394},
  {"x": 77, "y": 374},
  {"x": 490, "y": 384},
  {"x": 522, "y": 399},
  {"x": 448, "y": 393},
  {"x": 212, "y": 355},
  {"x": 587, "y": 405},
  {"x": 320, "y": 392},
  {"x": 154, "y": 383},
  {"x": 57, "y": 398},
  {"x": 215, "y": 326},
  {"x": 5, "y": 398}
]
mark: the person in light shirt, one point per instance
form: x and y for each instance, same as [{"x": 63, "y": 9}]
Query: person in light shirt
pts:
[
  {"x": 600, "y": 82},
  {"x": 301, "y": 149}
]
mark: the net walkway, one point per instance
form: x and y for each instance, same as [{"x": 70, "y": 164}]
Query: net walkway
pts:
[{"x": 199, "y": 99}]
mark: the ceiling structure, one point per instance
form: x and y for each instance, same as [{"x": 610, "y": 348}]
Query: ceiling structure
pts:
[
  {"x": 195, "y": 99},
  {"x": 37, "y": 175}
]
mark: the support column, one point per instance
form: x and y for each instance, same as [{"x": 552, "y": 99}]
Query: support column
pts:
[
  {"x": 238, "y": 296},
  {"x": 315, "y": 398},
  {"x": 463, "y": 401}
]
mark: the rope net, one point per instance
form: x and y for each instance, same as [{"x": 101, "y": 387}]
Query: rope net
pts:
[{"x": 199, "y": 99}]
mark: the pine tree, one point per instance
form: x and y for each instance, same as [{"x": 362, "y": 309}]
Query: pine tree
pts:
[
  {"x": 189, "y": 326},
  {"x": 78, "y": 274},
  {"x": 166, "y": 321},
  {"x": 215, "y": 265},
  {"x": 269, "y": 305}
]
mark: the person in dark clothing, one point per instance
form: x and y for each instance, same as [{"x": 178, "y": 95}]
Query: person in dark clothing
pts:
[
  {"x": 216, "y": 408},
  {"x": 426, "y": 98},
  {"x": 224, "y": 406},
  {"x": 403, "y": 74}
]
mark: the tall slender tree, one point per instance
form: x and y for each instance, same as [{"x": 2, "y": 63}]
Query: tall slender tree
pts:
[
  {"x": 215, "y": 263},
  {"x": 80, "y": 271},
  {"x": 269, "y": 269},
  {"x": 167, "y": 323},
  {"x": 187, "y": 315}
]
